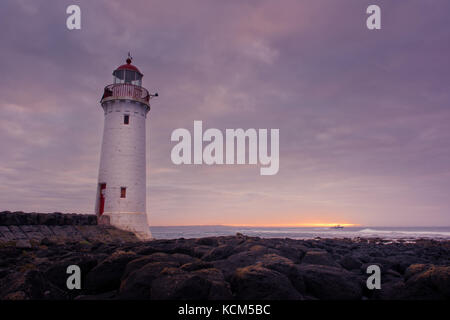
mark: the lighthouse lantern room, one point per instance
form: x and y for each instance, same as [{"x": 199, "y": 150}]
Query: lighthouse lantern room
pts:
[{"x": 121, "y": 192}]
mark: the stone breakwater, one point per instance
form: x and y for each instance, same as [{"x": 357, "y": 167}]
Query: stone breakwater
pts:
[
  {"x": 8, "y": 218},
  {"x": 27, "y": 229},
  {"x": 229, "y": 267}
]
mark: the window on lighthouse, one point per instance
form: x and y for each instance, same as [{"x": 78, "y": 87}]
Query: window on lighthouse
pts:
[
  {"x": 123, "y": 192},
  {"x": 127, "y": 76},
  {"x": 126, "y": 119}
]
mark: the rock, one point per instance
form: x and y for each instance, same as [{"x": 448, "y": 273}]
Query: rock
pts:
[
  {"x": 284, "y": 266},
  {"x": 205, "y": 284},
  {"x": 107, "y": 275},
  {"x": 331, "y": 283},
  {"x": 294, "y": 251},
  {"x": 220, "y": 289},
  {"x": 176, "y": 259},
  {"x": 219, "y": 253},
  {"x": 350, "y": 263},
  {"x": 146, "y": 250},
  {"x": 207, "y": 241},
  {"x": 193, "y": 266},
  {"x": 200, "y": 251},
  {"x": 393, "y": 274},
  {"x": 425, "y": 283},
  {"x": 400, "y": 263},
  {"x": 23, "y": 244},
  {"x": 391, "y": 290},
  {"x": 319, "y": 258},
  {"x": 239, "y": 260},
  {"x": 258, "y": 283},
  {"x": 137, "y": 285},
  {"x": 49, "y": 219},
  {"x": 8, "y": 219},
  {"x": 29, "y": 284},
  {"x": 416, "y": 269}
]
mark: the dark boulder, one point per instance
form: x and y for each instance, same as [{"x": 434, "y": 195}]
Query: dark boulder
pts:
[
  {"x": 284, "y": 266},
  {"x": 294, "y": 251},
  {"x": 137, "y": 284},
  {"x": 107, "y": 275},
  {"x": 198, "y": 265},
  {"x": 331, "y": 283},
  {"x": 350, "y": 263},
  {"x": 23, "y": 285},
  {"x": 258, "y": 283},
  {"x": 239, "y": 260},
  {"x": 219, "y": 253},
  {"x": 207, "y": 241},
  {"x": 205, "y": 284},
  {"x": 319, "y": 258},
  {"x": 176, "y": 259},
  {"x": 426, "y": 282}
]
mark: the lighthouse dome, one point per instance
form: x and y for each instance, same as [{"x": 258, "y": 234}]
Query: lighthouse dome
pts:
[{"x": 128, "y": 73}]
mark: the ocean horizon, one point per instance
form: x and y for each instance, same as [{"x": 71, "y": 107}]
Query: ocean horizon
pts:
[{"x": 389, "y": 233}]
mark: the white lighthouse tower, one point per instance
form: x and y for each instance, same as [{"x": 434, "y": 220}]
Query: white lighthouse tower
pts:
[{"x": 121, "y": 192}]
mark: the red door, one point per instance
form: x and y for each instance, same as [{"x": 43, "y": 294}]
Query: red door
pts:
[{"x": 102, "y": 199}]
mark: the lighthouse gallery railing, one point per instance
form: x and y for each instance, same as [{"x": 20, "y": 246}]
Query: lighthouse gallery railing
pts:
[{"x": 126, "y": 90}]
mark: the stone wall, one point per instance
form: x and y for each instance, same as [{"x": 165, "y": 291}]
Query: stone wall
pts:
[
  {"x": 26, "y": 229},
  {"x": 19, "y": 218}
]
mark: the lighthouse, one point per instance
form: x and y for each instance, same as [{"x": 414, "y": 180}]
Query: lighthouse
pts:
[{"x": 121, "y": 191}]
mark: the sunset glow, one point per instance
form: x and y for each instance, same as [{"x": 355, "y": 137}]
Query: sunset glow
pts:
[{"x": 293, "y": 225}]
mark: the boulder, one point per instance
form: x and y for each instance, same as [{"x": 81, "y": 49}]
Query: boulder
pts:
[
  {"x": 239, "y": 260},
  {"x": 176, "y": 259},
  {"x": 319, "y": 258},
  {"x": 258, "y": 283},
  {"x": 425, "y": 282},
  {"x": 294, "y": 252},
  {"x": 207, "y": 241},
  {"x": 350, "y": 263},
  {"x": 198, "y": 265},
  {"x": 107, "y": 275},
  {"x": 138, "y": 283},
  {"x": 23, "y": 244},
  {"x": 205, "y": 284},
  {"x": 219, "y": 253},
  {"x": 284, "y": 266},
  {"x": 23, "y": 285},
  {"x": 331, "y": 283}
]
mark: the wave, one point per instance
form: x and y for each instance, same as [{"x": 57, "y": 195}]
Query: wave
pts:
[
  {"x": 406, "y": 232},
  {"x": 390, "y": 233}
]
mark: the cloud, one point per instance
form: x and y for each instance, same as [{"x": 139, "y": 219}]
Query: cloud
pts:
[{"x": 363, "y": 116}]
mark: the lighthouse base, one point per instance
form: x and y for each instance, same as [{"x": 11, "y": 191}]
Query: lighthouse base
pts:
[{"x": 135, "y": 222}]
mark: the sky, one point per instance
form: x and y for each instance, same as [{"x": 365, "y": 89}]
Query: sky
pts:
[{"x": 363, "y": 114}]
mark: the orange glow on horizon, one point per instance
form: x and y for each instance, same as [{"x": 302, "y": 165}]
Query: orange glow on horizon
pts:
[{"x": 291, "y": 225}]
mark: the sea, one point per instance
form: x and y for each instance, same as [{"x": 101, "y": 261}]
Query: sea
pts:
[{"x": 388, "y": 233}]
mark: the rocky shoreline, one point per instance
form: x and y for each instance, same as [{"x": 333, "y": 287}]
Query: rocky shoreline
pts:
[
  {"x": 36, "y": 250},
  {"x": 231, "y": 267}
]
